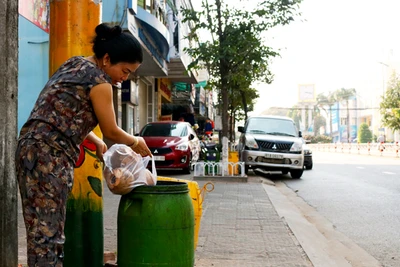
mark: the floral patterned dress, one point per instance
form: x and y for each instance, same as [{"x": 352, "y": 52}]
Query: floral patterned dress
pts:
[{"x": 47, "y": 150}]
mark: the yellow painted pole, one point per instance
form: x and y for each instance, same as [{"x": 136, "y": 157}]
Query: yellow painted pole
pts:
[{"x": 72, "y": 25}]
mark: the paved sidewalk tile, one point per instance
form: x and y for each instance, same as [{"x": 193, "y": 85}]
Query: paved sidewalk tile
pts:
[{"x": 240, "y": 227}]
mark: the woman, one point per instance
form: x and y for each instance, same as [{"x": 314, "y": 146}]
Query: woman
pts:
[{"x": 76, "y": 99}]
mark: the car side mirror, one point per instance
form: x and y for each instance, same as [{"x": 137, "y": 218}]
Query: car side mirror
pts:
[
  {"x": 191, "y": 136},
  {"x": 241, "y": 129}
]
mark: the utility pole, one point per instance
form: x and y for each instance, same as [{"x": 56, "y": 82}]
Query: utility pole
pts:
[
  {"x": 72, "y": 27},
  {"x": 8, "y": 132}
]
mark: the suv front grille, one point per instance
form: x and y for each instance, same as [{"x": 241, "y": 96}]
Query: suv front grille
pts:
[{"x": 274, "y": 146}]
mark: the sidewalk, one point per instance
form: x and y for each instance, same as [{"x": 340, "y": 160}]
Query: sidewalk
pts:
[{"x": 240, "y": 227}]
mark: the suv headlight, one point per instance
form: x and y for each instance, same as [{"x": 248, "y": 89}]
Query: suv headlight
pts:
[
  {"x": 250, "y": 142},
  {"x": 183, "y": 147},
  {"x": 297, "y": 146}
]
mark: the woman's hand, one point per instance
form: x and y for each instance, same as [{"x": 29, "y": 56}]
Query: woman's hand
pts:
[
  {"x": 141, "y": 148},
  {"x": 101, "y": 147}
]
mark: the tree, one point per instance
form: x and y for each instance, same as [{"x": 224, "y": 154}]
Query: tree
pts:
[
  {"x": 390, "y": 104},
  {"x": 236, "y": 110},
  {"x": 345, "y": 95},
  {"x": 319, "y": 121},
  {"x": 8, "y": 132},
  {"x": 364, "y": 134},
  {"x": 327, "y": 100},
  {"x": 235, "y": 54},
  {"x": 294, "y": 113}
]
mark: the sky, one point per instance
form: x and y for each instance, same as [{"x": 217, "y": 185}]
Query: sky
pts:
[{"x": 334, "y": 44}]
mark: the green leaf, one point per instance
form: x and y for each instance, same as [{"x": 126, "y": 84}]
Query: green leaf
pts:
[{"x": 95, "y": 183}]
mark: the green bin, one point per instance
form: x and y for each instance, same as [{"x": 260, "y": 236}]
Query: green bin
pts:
[
  {"x": 156, "y": 226},
  {"x": 212, "y": 156}
]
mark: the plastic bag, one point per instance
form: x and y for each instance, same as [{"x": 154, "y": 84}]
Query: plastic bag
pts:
[{"x": 125, "y": 169}]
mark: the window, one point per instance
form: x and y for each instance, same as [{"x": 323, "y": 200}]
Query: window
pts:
[
  {"x": 271, "y": 126},
  {"x": 141, "y": 3},
  {"x": 165, "y": 129}
]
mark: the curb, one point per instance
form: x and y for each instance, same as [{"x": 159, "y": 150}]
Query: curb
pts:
[{"x": 240, "y": 179}]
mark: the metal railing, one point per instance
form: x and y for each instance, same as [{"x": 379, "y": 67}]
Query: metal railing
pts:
[
  {"x": 212, "y": 168},
  {"x": 377, "y": 149}
]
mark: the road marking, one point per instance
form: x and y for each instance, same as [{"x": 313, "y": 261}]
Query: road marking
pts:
[{"x": 388, "y": 173}]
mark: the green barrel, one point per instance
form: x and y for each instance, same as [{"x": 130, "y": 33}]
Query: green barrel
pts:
[
  {"x": 84, "y": 243},
  {"x": 156, "y": 226}
]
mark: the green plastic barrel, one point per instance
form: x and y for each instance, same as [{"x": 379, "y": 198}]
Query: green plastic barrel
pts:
[{"x": 156, "y": 226}]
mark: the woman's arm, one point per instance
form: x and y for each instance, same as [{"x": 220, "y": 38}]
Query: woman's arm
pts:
[{"x": 102, "y": 101}]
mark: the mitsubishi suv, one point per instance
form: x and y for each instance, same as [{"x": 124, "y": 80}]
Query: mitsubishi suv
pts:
[{"x": 271, "y": 143}]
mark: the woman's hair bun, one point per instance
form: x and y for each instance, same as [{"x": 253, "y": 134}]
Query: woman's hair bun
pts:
[{"x": 105, "y": 32}]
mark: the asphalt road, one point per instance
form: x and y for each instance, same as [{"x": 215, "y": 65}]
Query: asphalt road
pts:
[{"x": 359, "y": 195}]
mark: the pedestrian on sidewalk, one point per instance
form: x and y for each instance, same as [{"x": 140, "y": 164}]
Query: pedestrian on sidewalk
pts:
[{"x": 76, "y": 99}]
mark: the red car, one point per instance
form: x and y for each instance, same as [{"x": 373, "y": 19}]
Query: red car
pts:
[{"x": 174, "y": 144}]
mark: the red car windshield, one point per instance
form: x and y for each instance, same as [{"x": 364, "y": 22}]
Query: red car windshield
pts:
[{"x": 164, "y": 129}]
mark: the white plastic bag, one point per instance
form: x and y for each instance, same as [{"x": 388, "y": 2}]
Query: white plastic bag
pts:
[{"x": 124, "y": 169}]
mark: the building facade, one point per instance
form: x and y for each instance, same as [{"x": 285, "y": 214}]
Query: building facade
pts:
[{"x": 149, "y": 93}]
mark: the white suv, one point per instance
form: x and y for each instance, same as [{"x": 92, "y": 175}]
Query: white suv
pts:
[{"x": 272, "y": 143}]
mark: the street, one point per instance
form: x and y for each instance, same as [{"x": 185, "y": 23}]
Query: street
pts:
[{"x": 359, "y": 195}]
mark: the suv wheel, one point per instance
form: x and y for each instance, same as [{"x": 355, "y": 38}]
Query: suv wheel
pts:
[
  {"x": 309, "y": 167},
  {"x": 296, "y": 174},
  {"x": 246, "y": 169}
]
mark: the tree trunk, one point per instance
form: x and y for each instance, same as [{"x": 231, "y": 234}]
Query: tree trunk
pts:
[
  {"x": 244, "y": 103},
  {"x": 348, "y": 121},
  {"x": 330, "y": 121},
  {"x": 8, "y": 132},
  {"x": 224, "y": 70}
]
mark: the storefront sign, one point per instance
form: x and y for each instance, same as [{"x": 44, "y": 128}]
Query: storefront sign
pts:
[
  {"x": 164, "y": 87},
  {"x": 202, "y": 109},
  {"x": 37, "y": 12},
  {"x": 202, "y": 95},
  {"x": 129, "y": 92},
  {"x": 193, "y": 94}
]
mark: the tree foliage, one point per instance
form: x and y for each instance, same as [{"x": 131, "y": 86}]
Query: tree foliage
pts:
[
  {"x": 364, "y": 134},
  {"x": 318, "y": 139},
  {"x": 319, "y": 121},
  {"x": 295, "y": 114},
  {"x": 235, "y": 54},
  {"x": 390, "y": 104},
  {"x": 344, "y": 95}
]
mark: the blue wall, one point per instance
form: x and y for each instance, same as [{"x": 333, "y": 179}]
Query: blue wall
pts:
[
  {"x": 33, "y": 66},
  {"x": 33, "y": 59}
]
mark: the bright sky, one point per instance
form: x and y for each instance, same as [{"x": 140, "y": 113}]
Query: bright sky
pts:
[
  {"x": 335, "y": 44},
  {"x": 339, "y": 44}
]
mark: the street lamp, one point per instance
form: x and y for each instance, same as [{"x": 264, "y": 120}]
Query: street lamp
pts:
[
  {"x": 383, "y": 92},
  {"x": 383, "y": 77}
]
